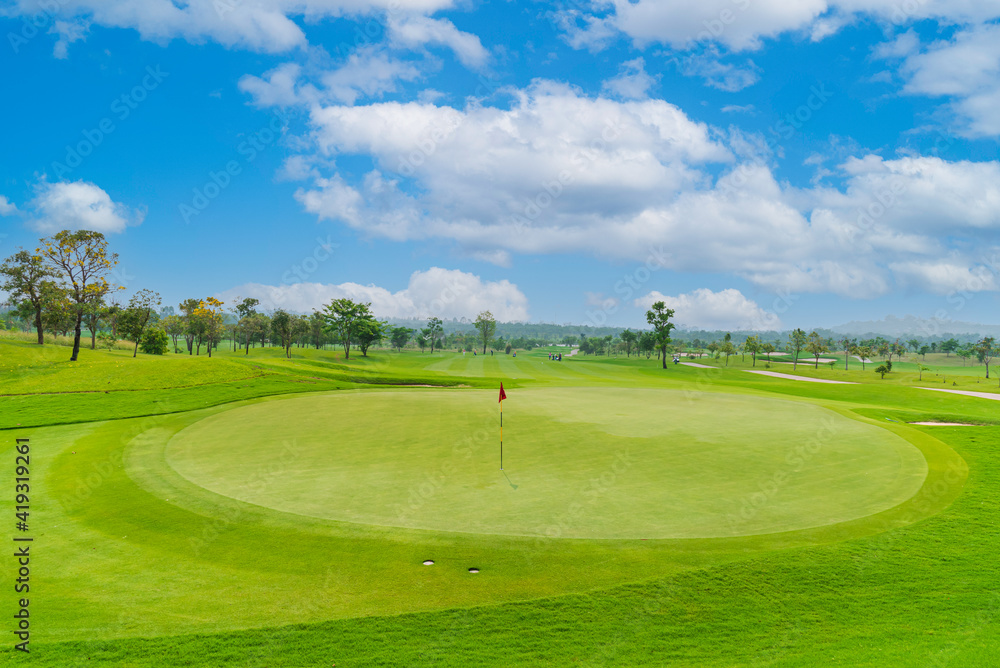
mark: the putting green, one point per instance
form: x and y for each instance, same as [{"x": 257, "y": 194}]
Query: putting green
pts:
[{"x": 579, "y": 463}]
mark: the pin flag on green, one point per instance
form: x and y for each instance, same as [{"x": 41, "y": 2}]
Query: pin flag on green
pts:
[{"x": 503, "y": 395}]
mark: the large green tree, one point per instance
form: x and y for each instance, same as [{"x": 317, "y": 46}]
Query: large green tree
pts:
[
  {"x": 28, "y": 282},
  {"x": 434, "y": 332},
  {"x": 398, "y": 336},
  {"x": 659, "y": 317},
  {"x": 797, "y": 339},
  {"x": 753, "y": 346},
  {"x": 487, "y": 326},
  {"x": 985, "y": 351},
  {"x": 82, "y": 261},
  {"x": 344, "y": 316},
  {"x": 245, "y": 310},
  {"x": 368, "y": 333},
  {"x": 816, "y": 345},
  {"x": 138, "y": 315},
  {"x": 628, "y": 338}
]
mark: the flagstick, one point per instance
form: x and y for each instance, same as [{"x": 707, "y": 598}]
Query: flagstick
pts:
[{"x": 501, "y": 435}]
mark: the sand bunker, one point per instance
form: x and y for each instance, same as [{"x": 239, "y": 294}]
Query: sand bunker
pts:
[
  {"x": 944, "y": 424},
  {"x": 981, "y": 395},
  {"x": 787, "y": 376}
]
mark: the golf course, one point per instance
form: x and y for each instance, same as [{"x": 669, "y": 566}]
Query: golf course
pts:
[{"x": 254, "y": 509}]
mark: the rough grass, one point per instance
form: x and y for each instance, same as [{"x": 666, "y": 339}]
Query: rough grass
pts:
[{"x": 138, "y": 567}]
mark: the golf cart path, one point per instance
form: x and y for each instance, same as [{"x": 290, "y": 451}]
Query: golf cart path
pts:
[
  {"x": 982, "y": 395},
  {"x": 787, "y": 376},
  {"x": 697, "y": 366}
]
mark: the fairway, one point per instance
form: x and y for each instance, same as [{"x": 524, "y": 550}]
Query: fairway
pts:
[{"x": 609, "y": 463}]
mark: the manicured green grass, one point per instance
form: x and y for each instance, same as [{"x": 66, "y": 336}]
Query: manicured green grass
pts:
[
  {"x": 136, "y": 565},
  {"x": 682, "y": 473}
]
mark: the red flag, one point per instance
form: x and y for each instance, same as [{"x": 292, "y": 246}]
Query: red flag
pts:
[{"x": 503, "y": 395}]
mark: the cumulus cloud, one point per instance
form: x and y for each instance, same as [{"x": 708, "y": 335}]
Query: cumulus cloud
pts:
[
  {"x": 79, "y": 205},
  {"x": 560, "y": 172},
  {"x": 965, "y": 68},
  {"x": 7, "y": 207},
  {"x": 705, "y": 309},
  {"x": 742, "y": 25},
  {"x": 445, "y": 293},
  {"x": 262, "y": 25},
  {"x": 418, "y": 31},
  {"x": 632, "y": 82}
]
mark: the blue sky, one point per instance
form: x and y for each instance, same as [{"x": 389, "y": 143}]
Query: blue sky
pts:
[{"x": 757, "y": 165}]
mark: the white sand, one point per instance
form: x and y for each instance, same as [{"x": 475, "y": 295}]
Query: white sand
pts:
[
  {"x": 981, "y": 395},
  {"x": 861, "y": 360},
  {"x": 804, "y": 360},
  {"x": 788, "y": 376},
  {"x": 697, "y": 366},
  {"x": 945, "y": 424}
]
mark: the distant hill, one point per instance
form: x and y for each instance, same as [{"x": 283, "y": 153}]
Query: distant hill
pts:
[{"x": 909, "y": 325}]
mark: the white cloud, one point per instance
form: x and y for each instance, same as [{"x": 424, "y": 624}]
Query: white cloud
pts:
[
  {"x": 445, "y": 293},
  {"x": 719, "y": 74},
  {"x": 417, "y": 31},
  {"x": 742, "y": 25},
  {"x": 79, "y": 206},
  {"x": 259, "y": 25},
  {"x": 7, "y": 207},
  {"x": 632, "y": 82},
  {"x": 966, "y": 68},
  {"x": 558, "y": 172},
  {"x": 68, "y": 32},
  {"x": 944, "y": 277},
  {"x": 367, "y": 72},
  {"x": 705, "y": 309}
]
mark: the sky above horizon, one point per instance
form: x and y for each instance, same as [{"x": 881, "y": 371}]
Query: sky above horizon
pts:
[{"x": 755, "y": 164}]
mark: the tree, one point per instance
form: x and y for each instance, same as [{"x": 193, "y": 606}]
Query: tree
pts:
[
  {"x": 921, "y": 368},
  {"x": 421, "y": 341},
  {"x": 487, "y": 326},
  {"x": 246, "y": 309},
  {"x": 369, "y": 332},
  {"x": 191, "y": 325},
  {"x": 28, "y": 279},
  {"x": 433, "y": 332},
  {"x": 914, "y": 344},
  {"x": 628, "y": 338},
  {"x": 817, "y": 346},
  {"x": 949, "y": 346},
  {"x": 137, "y": 316},
  {"x": 398, "y": 336},
  {"x": 753, "y": 346},
  {"x": 343, "y": 317},
  {"x": 647, "y": 343},
  {"x": 316, "y": 334},
  {"x": 985, "y": 352},
  {"x": 882, "y": 369},
  {"x": 83, "y": 262},
  {"x": 864, "y": 352},
  {"x": 797, "y": 339},
  {"x": 210, "y": 322},
  {"x": 173, "y": 326},
  {"x": 923, "y": 352},
  {"x": 848, "y": 345},
  {"x": 964, "y": 352},
  {"x": 727, "y": 348},
  {"x": 767, "y": 349},
  {"x": 155, "y": 341},
  {"x": 659, "y": 317},
  {"x": 94, "y": 312},
  {"x": 283, "y": 326}
]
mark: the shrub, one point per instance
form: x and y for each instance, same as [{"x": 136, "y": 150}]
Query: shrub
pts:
[{"x": 154, "y": 341}]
